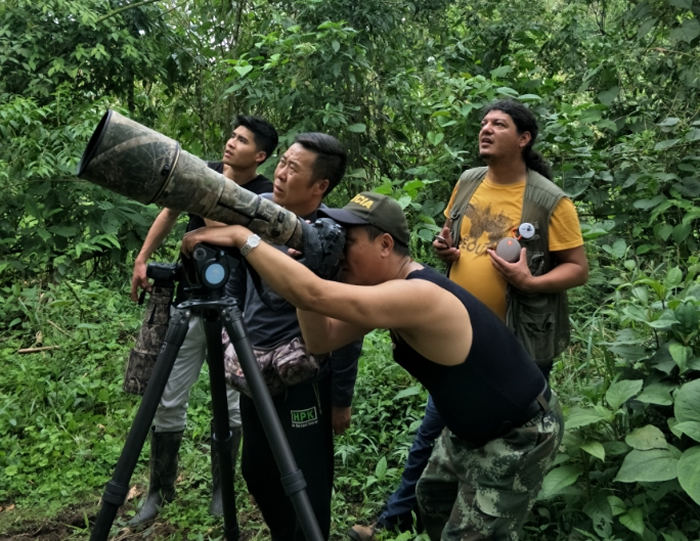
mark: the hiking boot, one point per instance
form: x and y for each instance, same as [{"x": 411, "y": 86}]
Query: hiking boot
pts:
[
  {"x": 164, "y": 449},
  {"x": 363, "y": 533}
]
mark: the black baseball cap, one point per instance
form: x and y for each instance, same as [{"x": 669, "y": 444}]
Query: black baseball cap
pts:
[{"x": 371, "y": 208}]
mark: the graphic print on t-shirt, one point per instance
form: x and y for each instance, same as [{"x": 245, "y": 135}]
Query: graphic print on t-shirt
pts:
[{"x": 484, "y": 221}]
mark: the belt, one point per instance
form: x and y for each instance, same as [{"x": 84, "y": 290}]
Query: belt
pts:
[{"x": 540, "y": 403}]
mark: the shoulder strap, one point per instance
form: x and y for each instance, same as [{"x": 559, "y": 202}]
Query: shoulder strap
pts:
[
  {"x": 540, "y": 199},
  {"x": 466, "y": 186}
]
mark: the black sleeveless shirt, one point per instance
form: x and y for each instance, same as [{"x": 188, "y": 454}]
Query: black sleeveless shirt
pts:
[{"x": 486, "y": 395}]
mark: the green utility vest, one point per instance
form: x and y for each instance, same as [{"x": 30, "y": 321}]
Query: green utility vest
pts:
[{"x": 539, "y": 320}]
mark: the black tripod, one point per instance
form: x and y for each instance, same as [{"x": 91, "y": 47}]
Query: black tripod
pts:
[{"x": 216, "y": 311}]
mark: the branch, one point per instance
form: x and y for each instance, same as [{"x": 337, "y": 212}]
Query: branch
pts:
[
  {"x": 124, "y": 8},
  {"x": 34, "y": 350}
]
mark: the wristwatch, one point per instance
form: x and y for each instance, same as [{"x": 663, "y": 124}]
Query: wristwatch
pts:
[{"x": 251, "y": 242}]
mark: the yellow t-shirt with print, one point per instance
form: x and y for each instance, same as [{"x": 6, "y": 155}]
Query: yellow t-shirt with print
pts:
[{"x": 493, "y": 212}]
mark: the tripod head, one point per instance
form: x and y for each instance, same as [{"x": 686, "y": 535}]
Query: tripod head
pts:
[{"x": 208, "y": 271}]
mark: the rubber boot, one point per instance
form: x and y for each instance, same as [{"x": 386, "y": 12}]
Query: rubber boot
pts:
[
  {"x": 217, "y": 505},
  {"x": 164, "y": 449}
]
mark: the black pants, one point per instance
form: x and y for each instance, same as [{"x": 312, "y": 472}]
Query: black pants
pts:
[{"x": 305, "y": 413}]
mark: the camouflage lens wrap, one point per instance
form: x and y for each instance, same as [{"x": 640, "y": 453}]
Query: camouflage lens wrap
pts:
[
  {"x": 141, "y": 164},
  {"x": 143, "y": 356},
  {"x": 469, "y": 493},
  {"x": 128, "y": 158}
]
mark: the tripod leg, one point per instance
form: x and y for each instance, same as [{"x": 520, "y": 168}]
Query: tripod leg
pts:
[
  {"x": 118, "y": 487},
  {"x": 222, "y": 436},
  {"x": 291, "y": 476}
]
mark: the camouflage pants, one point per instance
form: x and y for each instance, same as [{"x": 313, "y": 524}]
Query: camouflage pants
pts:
[{"x": 469, "y": 493}]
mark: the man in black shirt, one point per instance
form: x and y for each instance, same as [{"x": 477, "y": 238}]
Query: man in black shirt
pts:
[
  {"x": 253, "y": 140},
  {"x": 503, "y": 423}
]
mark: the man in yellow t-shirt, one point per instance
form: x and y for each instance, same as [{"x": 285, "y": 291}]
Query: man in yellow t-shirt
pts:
[
  {"x": 508, "y": 133},
  {"x": 494, "y": 213}
]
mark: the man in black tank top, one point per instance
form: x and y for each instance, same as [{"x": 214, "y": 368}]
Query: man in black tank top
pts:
[{"x": 503, "y": 423}]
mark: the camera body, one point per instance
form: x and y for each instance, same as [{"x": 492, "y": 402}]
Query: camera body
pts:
[
  {"x": 324, "y": 241},
  {"x": 165, "y": 274}
]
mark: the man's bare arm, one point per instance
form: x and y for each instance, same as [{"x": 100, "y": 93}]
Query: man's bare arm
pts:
[{"x": 417, "y": 309}]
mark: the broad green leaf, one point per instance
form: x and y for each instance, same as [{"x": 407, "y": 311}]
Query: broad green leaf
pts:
[
  {"x": 646, "y": 27},
  {"x": 617, "y": 506},
  {"x": 501, "y": 72},
  {"x": 616, "y": 448},
  {"x": 410, "y": 391},
  {"x": 594, "y": 448},
  {"x": 674, "y": 277},
  {"x": 243, "y": 70},
  {"x": 619, "y": 248},
  {"x": 690, "y": 429},
  {"x": 656, "y": 393},
  {"x": 675, "y": 536},
  {"x": 683, "y": 4},
  {"x": 507, "y": 91},
  {"x": 664, "y": 145},
  {"x": 380, "y": 469},
  {"x": 680, "y": 355},
  {"x": 357, "y": 128},
  {"x": 681, "y": 232},
  {"x": 646, "y": 204},
  {"x": 558, "y": 479},
  {"x": 637, "y": 313},
  {"x": 621, "y": 391},
  {"x": 599, "y": 511},
  {"x": 672, "y": 423},
  {"x": 669, "y": 121},
  {"x": 608, "y": 96},
  {"x": 645, "y": 438},
  {"x": 664, "y": 231},
  {"x": 647, "y": 466},
  {"x": 664, "y": 322},
  {"x": 687, "y": 405},
  {"x": 693, "y": 135},
  {"x": 688, "y": 31},
  {"x": 633, "y": 520},
  {"x": 583, "y": 417},
  {"x": 629, "y": 351},
  {"x": 689, "y": 472}
]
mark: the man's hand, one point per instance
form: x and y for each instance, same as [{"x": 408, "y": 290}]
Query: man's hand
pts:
[
  {"x": 442, "y": 245},
  {"x": 139, "y": 280},
  {"x": 516, "y": 274},
  {"x": 232, "y": 235},
  {"x": 341, "y": 419},
  {"x": 570, "y": 271}
]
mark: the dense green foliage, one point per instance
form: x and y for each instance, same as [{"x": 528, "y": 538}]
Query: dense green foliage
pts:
[{"x": 616, "y": 86}]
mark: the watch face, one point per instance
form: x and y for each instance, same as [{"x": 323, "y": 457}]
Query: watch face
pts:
[{"x": 251, "y": 242}]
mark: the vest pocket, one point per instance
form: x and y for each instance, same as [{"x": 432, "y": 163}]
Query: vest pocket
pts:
[
  {"x": 534, "y": 323},
  {"x": 538, "y": 335}
]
